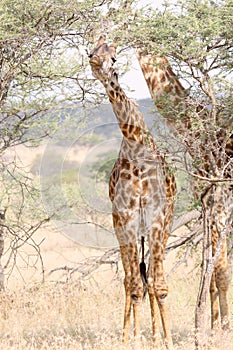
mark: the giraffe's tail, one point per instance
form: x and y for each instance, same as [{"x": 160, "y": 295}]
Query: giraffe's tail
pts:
[{"x": 142, "y": 267}]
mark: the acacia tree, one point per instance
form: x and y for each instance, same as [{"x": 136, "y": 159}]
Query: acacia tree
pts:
[{"x": 41, "y": 73}]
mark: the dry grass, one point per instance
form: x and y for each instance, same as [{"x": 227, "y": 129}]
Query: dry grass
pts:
[
  {"x": 74, "y": 316},
  {"x": 88, "y": 315}
]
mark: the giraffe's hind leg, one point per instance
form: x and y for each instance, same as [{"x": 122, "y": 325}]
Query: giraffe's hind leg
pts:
[
  {"x": 154, "y": 314},
  {"x": 130, "y": 260},
  {"x": 133, "y": 290},
  {"x": 222, "y": 278},
  {"x": 128, "y": 303},
  {"x": 222, "y": 282},
  {"x": 214, "y": 299},
  {"x": 158, "y": 303},
  {"x": 136, "y": 287},
  {"x": 128, "y": 300},
  {"x": 165, "y": 322},
  {"x": 219, "y": 300},
  {"x": 160, "y": 287}
]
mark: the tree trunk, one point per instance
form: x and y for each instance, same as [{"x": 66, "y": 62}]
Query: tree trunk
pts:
[
  {"x": 212, "y": 205},
  {"x": 2, "y": 219},
  {"x": 201, "y": 316},
  {"x": 1, "y": 252}
]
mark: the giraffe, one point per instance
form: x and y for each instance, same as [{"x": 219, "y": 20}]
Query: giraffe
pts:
[
  {"x": 164, "y": 85},
  {"x": 142, "y": 190}
]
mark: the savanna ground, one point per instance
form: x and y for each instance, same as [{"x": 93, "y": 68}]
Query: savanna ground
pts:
[{"x": 76, "y": 312}]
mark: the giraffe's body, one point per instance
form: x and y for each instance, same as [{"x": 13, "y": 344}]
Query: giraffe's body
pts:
[
  {"x": 165, "y": 86},
  {"x": 142, "y": 191}
]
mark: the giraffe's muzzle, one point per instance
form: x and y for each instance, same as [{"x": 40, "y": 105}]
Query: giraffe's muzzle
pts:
[{"x": 94, "y": 61}]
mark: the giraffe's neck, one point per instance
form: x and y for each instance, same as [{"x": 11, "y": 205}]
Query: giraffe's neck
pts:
[
  {"x": 137, "y": 141},
  {"x": 160, "y": 77},
  {"x": 165, "y": 89}
]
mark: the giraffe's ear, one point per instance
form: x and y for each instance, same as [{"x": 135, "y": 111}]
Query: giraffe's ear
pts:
[
  {"x": 100, "y": 41},
  {"x": 114, "y": 45},
  {"x": 112, "y": 50}
]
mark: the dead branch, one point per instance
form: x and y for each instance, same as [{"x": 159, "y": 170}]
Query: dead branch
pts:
[
  {"x": 112, "y": 257},
  {"x": 185, "y": 219},
  {"x": 191, "y": 237},
  {"x": 89, "y": 265}
]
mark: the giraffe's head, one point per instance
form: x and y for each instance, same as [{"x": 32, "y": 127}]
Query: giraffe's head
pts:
[{"x": 102, "y": 58}]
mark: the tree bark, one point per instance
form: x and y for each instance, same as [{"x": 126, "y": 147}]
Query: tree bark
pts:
[
  {"x": 2, "y": 218},
  {"x": 209, "y": 260},
  {"x": 201, "y": 316}
]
